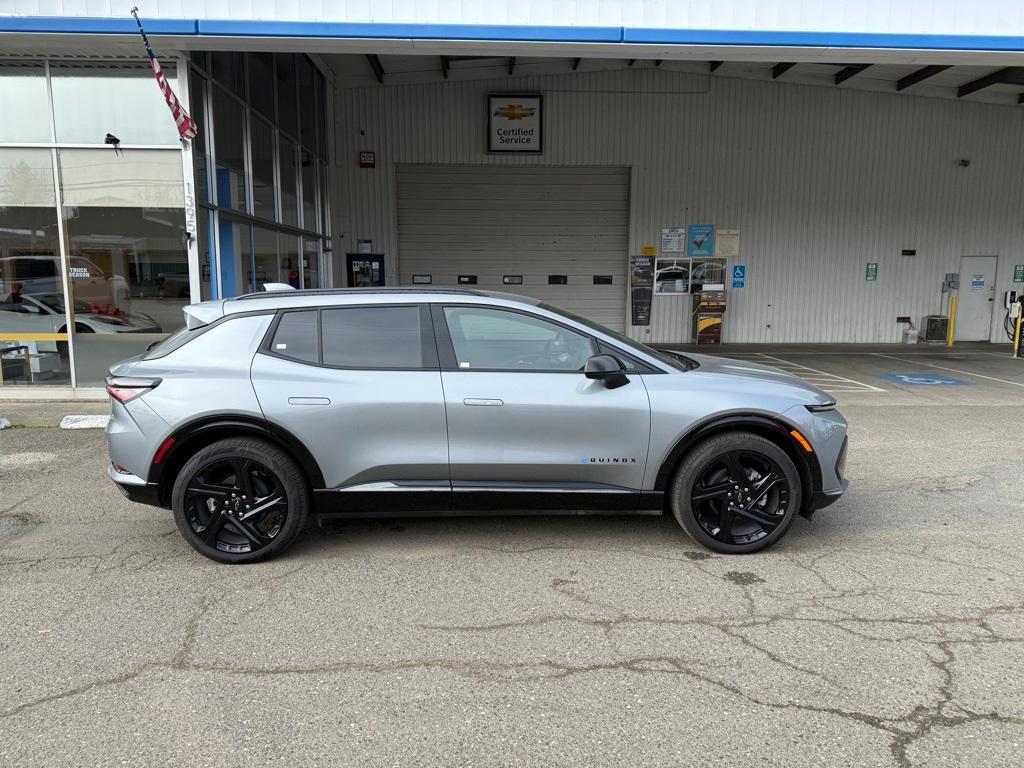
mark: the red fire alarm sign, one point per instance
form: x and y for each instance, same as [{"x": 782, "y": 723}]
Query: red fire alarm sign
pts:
[{"x": 367, "y": 159}]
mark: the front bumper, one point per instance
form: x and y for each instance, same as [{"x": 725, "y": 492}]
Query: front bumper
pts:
[
  {"x": 135, "y": 488},
  {"x": 822, "y": 499}
]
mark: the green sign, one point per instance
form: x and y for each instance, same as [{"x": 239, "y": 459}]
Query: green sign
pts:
[
  {"x": 871, "y": 273},
  {"x": 1018, "y": 273}
]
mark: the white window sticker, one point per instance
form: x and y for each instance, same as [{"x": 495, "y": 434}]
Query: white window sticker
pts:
[
  {"x": 280, "y": 346},
  {"x": 463, "y": 365},
  {"x": 79, "y": 271}
]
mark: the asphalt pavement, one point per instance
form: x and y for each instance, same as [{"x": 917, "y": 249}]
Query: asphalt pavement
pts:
[{"x": 889, "y": 631}]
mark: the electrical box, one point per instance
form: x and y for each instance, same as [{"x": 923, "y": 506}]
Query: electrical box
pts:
[
  {"x": 934, "y": 327},
  {"x": 707, "y": 316}
]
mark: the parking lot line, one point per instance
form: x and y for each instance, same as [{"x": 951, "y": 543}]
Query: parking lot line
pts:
[
  {"x": 828, "y": 381},
  {"x": 947, "y": 368}
]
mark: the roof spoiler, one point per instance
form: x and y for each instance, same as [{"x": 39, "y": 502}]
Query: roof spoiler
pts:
[{"x": 204, "y": 313}]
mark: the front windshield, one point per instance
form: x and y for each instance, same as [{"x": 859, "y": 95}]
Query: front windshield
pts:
[
  {"x": 55, "y": 302},
  {"x": 671, "y": 359}
]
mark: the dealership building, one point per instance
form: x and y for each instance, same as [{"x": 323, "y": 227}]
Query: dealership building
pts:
[{"x": 841, "y": 173}]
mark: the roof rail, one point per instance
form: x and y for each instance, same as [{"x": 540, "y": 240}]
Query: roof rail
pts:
[{"x": 353, "y": 291}]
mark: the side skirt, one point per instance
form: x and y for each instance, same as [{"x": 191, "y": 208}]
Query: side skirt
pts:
[{"x": 394, "y": 499}]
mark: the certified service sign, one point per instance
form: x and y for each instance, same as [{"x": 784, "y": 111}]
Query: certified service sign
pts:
[{"x": 514, "y": 123}]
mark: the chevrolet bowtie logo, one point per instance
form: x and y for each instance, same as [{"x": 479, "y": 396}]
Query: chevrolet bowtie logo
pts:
[{"x": 514, "y": 111}]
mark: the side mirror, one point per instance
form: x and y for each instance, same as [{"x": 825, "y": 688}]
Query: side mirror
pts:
[{"x": 607, "y": 370}]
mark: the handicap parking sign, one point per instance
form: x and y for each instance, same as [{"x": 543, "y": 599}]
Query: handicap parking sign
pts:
[
  {"x": 739, "y": 275},
  {"x": 923, "y": 379}
]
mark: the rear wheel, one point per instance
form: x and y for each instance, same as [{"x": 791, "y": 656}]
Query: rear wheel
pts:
[
  {"x": 240, "y": 500},
  {"x": 736, "y": 493}
]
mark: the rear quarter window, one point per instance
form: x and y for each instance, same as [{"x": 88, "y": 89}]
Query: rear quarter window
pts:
[{"x": 296, "y": 337}]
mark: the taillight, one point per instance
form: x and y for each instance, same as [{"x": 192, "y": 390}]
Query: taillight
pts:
[{"x": 123, "y": 388}]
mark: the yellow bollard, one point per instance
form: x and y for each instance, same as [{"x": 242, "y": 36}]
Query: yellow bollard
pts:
[
  {"x": 951, "y": 330},
  {"x": 1016, "y": 335}
]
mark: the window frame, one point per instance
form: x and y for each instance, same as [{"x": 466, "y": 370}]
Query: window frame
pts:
[{"x": 428, "y": 342}]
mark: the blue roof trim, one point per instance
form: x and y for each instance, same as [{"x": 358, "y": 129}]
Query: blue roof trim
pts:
[
  {"x": 94, "y": 25},
  {"x": 490, "y": 32},
  {"x": 821, "y": 39},
  {"x": 230, "y": 28}
]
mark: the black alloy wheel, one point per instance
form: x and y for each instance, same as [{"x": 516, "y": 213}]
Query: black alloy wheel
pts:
[
  {"x": 736, "y": 493},
  {"x": 236, "y": 505},
  {"x": 740, "y": 497},
  {"x": 240, "y": 500}
]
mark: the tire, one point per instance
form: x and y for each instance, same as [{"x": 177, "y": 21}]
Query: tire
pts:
[
  {"x": 212, "y": 498},
  {"x": 708, "y": 480}
]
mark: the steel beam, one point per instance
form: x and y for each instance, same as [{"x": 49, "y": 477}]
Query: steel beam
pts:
[
  {"x": 917, "y": 76},
  {"x": 375, "y": 65},
  {"x": 849, "y": 71},
  {"x": 780, "y": 69}
]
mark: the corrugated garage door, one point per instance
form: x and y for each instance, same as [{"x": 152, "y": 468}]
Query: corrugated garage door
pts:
[{"x": 492, "y": 221}]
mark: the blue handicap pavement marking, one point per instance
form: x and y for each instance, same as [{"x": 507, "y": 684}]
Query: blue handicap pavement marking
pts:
[{"x": 923, "y": 379}]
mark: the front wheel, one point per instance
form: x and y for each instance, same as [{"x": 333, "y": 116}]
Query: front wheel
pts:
[
  {"x": 240, "y": 500},
  {"x": 736, "y": 493}
]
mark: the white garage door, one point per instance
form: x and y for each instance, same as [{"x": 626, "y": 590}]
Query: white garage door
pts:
[{"x": 537, "y": 223}]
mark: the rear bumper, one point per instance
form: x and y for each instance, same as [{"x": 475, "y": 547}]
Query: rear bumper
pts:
[{"x": 135, "y": 488}]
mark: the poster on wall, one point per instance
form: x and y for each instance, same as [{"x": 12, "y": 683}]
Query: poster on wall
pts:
[
  {"x": 727, "y": 243},
  {"x": 701, "y": 240},
  {"x": 641, "y": 288},
  {"x": 515, "y": 123},
  {"x": 673, "y": 240}
]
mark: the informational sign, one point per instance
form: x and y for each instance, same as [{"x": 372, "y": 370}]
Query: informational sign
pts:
[
  {"x": 515, "y": 123},
  {"x": 700, "y": 240},
  {"x": 924, "y": 380},
  {"x": 649, "y": 250},
  {"x": 367, "y": 159},
  {"x": 641, "y": 288},
  {"x": 871, "y": 272},
  {"x": 74, "y": 272},
  {"x": 727, "y": 243},
  {"x": 673, "y": 240},
  {"x": 739, "y": 275},
  {"x": 1018, "y": 273},
  {"x": 364, "y": 246},
  {"x": 978, "y": 282}
]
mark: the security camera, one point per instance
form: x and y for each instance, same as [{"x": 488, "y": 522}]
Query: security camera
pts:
[{"x": 964, "y": 163}]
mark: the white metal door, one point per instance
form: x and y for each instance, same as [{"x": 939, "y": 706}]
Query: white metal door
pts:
[
  {"x": 976, "y": 298},
  {"x": 529, "y": 222}
]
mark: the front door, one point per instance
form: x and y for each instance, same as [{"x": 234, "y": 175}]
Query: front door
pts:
[
  {"x": 366, "y": 402},
  {"x": 976, "y": 298},
  {"x": 526, "y": 428}
]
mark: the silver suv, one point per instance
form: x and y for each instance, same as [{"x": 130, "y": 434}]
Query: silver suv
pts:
[{"x": 271, "y": 407}]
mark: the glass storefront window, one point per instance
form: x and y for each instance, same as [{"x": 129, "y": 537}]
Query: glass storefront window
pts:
[
  {"x": 289, "y": 160},
  {"x": 33, "y": 347},
  {"x": 229, "y": 140},
  {"x": 307, "y": 102},
  {"x": 235, "y": 257},
  {"x": 228, "y": 69},
  {"x": 309, "y": 186},
  {"x": 92, "y": 99},
  {"x": 207, "y": 286},
  {"x": 290, "y": 260},
  {"x": 200, "y": 150},
  {"x": 261, "y": 79},
  {"x": 128, "y": 264},
  {"x": 267, "y": 263},
  {"x": 262, "y": 169},
  {"x": 287, "y": 106},
  {"x": 311, "y": 262},
  {"x": 23, "y": 93}
]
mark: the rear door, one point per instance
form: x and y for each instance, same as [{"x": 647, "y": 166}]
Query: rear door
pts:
[
  {"x": 526, "y": 428},
  {"x": 360, "y": 387}
]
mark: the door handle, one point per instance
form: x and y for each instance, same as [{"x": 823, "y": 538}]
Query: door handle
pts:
[
  {"x": 492, "y": 401},
  {"x": 309, "y": 401}
]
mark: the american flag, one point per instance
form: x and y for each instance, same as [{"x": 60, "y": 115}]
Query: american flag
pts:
[{"x": 186, "y": 125}]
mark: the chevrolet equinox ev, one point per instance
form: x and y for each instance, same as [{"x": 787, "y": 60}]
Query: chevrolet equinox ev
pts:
[{"x": 269, "y": 408}]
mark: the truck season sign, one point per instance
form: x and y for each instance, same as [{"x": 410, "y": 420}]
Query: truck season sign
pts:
[{"x": 515, "y": 123}]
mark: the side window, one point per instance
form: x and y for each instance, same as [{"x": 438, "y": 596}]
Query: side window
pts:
[
  {"x": 497, "y": 339},
  {"x": 296, "y": 337},
  {"x": 373, "y": 337}
]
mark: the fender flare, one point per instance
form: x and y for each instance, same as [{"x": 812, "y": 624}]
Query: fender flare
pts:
[
  {"x": 237, "y": 424},
  {"x": 774, "y": 429}
]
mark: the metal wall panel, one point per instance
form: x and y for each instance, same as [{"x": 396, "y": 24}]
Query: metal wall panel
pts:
[
  {"x": 819, "y": 181},
  {"x": 531, "y": 222}
]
